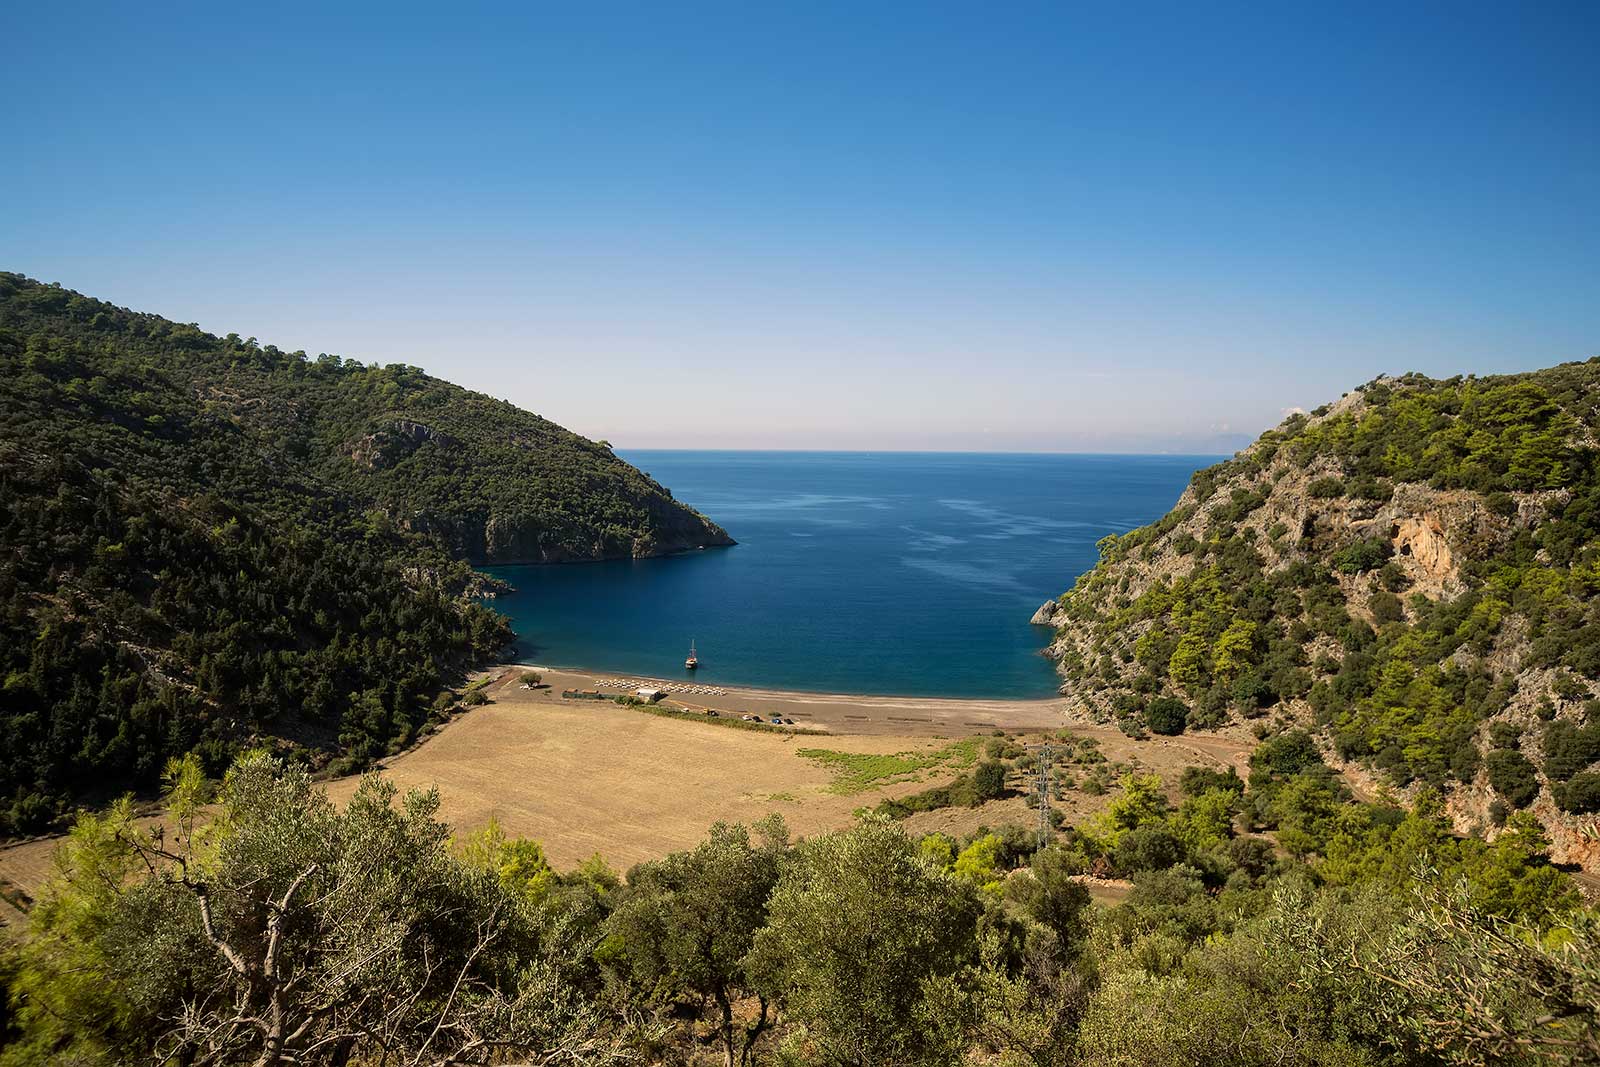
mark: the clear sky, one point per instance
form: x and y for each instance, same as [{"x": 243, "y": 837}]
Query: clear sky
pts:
[{"x": 1105, "y": 227}]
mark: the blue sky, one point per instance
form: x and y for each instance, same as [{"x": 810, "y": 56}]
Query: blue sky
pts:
[{"x": 1029, "y": 227}]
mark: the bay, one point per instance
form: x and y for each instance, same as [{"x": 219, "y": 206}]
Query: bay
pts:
[{"x": 874, "y": 573}]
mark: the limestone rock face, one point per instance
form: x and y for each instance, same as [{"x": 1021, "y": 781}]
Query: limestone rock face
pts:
[
  {"x": 1421, "y": 539},
  {"x": 1046, "y": 615},
  {"x": 384, "y": 448}
]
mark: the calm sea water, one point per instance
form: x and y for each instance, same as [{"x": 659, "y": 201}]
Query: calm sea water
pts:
[{"x": 884, "y": 573}]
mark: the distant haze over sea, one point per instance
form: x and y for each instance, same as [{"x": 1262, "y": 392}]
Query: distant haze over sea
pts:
[{"x": 855, "y": 572}]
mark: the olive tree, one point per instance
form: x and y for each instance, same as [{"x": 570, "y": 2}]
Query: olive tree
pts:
[
  {"x": 863, "y": 946},
  {"x": 278, "y": 928},
  {"x": 687, "y": 922}
]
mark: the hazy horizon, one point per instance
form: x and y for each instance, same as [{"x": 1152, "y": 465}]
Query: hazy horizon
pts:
[{"x": 893, "y": 229}]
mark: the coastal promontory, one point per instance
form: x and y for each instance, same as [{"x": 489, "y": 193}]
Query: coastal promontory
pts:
[
  {"x": 1409, "y": 574},
  {"x": 210, "y": 543}
]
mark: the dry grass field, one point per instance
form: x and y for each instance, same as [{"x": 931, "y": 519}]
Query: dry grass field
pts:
[
  {"x": 587, "y": 777},
  {"x": 592, "y": 777}
]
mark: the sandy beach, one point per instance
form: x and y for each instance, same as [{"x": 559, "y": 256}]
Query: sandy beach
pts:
[{"x": 837, "y": 713}]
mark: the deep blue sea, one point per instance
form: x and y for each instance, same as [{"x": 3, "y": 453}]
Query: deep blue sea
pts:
[{"x": 885, "y": 573}]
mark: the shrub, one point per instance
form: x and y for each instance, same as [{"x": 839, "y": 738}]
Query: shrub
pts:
[
  {"x": 1581, "y": 795},
  {"x": 1002, "y": 748},
  {"x": 1251, "y": 693},
  {"x": 1568, "y": 749},
  {"x": 474, "y": 697},
  {"x": 1151, "y": 847},
  {"x": 1501, "y": 503},
  {"x": 1505, "y": 735},
  {"x": 1367, "y": 487},
  {"x": 1287, "y": 754},
  {"x": 1569, "y": 687},
  {"x": 1167, "y": 716},
  {"x": 1326, "y": 488},
  {"x": 1199, "y": 780},
  {"x": 1363, "y": 556},
  {"x": 1512, "y": 777},
  {"x": 989, "y": 780},
  {"x": 1393, "y": 578},
  {"x": 1126, "y": 704},
  {"x": 1385, "y": 608}
]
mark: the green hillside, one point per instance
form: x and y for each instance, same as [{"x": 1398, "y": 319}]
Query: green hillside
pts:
[
  {"x": 1413, "y": 571},
  {"x": 204, "y": 543}
]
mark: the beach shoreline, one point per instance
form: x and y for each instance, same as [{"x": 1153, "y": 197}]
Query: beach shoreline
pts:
[{"x": 840, "y": 713}]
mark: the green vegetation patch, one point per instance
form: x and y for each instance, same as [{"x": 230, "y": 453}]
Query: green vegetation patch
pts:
[{"x": 855, "y": 772}]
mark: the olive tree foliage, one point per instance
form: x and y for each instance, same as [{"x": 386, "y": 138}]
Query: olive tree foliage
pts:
[
  {"x": 1459, "y": 985},
  {"x": 863, "y": 946},
  {"x": 275, "y": 928},
  {"x": 1030, "y": 993},
  {"x": 686, "y": 924},
  {"x": 1247, "y": 1000}
]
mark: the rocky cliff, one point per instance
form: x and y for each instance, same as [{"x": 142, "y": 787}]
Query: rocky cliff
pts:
[{"x": 1412, "y": 572}]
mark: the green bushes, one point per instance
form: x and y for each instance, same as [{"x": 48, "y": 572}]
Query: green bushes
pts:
[
  {"x": 1326, "y": 488},
  {"x": 1505, "y": 735},
  {"x": 1568, "y": 749},
  {"x": 987, "y": 781},
  {"x": 1581, "y": 795},
  {"x": 1167, "y": 715},
  {"x": 1405, "y": 678},
  {"x": 1287, "y": 754},
  {"x": 1385, "y": 608},
  {"x": 1363, "y": 556},
  {"x": 1488, "y": 435},
  {"x": 1512, "y": 776},
  {"x": 864, "y": 945}
]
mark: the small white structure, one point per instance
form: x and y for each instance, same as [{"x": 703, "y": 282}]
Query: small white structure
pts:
[{"x": 648, "y": 694}]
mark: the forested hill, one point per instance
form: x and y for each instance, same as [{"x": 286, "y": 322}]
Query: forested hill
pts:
[
  {"x": 496, "y": 483},
  {"x": 204, "y": 543},
  {"x": 1413, "y": 571}
]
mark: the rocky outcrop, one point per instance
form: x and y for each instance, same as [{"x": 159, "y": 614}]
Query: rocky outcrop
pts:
[
  {"x": 384, "y": 448},
  {"x": 1421, "y": 539}
]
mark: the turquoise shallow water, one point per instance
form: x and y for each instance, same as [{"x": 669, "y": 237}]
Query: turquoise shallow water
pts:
[{"x": 884, "y": 573}]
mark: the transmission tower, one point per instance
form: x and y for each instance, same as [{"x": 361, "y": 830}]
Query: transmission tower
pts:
[{"x": 1044, "y": 785}]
